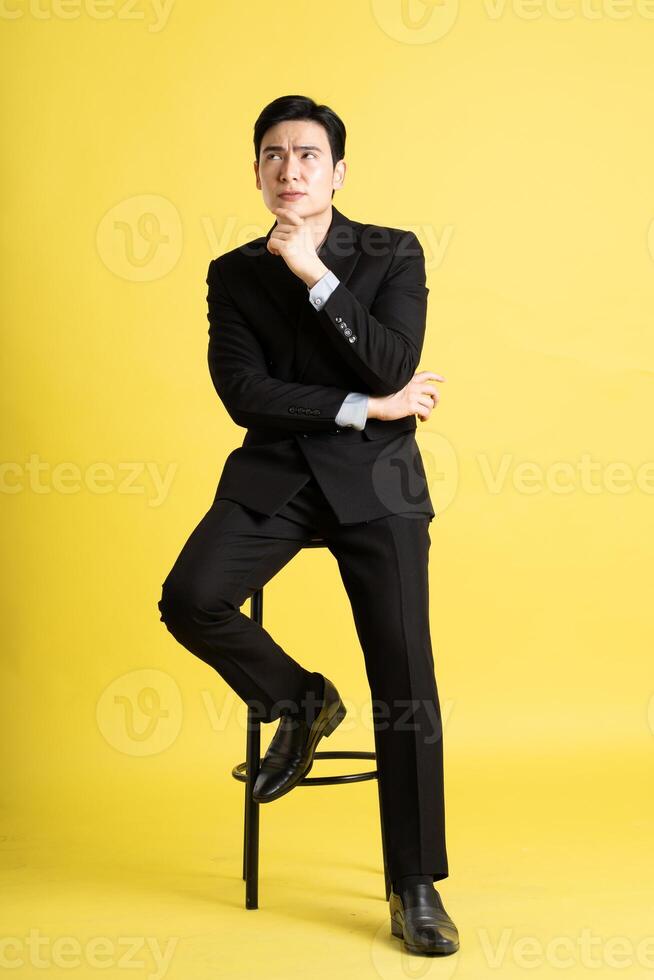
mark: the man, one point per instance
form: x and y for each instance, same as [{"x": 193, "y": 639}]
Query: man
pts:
[{"x": 315, "y": 334}]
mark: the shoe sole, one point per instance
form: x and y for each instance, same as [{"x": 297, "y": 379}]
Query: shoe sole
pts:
[
  {"x": 398, "y": 932},
  {"x": 328, "y": 728}
]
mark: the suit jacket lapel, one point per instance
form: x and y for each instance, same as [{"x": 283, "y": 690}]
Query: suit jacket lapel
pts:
[{"x": 340, "y": 252}]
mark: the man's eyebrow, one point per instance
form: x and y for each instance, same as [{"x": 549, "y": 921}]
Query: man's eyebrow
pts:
[{"x": 301, "y": 146}]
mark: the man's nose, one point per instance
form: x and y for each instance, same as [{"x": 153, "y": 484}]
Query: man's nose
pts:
[{"x": 289, "y": 169}]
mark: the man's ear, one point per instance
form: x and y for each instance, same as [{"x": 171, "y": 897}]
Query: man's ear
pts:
[{"x": 339, "y": 174}]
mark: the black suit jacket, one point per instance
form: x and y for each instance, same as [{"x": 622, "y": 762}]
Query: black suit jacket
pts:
[{"x": 282, "y": 369}]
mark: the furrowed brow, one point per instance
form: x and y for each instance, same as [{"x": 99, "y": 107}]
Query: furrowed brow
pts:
[{"x": 301, "y": 146}]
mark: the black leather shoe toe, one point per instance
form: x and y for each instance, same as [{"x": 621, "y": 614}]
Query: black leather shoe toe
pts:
[
  {"x": 420, "y": 919},
  {"x": 291, "y": 751}
]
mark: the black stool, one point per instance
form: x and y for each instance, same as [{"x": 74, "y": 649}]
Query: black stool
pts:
[{"x": 247, "y": 773}]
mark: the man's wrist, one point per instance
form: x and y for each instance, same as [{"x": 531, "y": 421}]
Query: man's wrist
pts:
[
  {"x": 373, "y": 407},
  {"x": 315, "y": 274}
]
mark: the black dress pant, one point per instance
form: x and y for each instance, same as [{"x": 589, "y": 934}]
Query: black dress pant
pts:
[{"x": 383, "y": 564}]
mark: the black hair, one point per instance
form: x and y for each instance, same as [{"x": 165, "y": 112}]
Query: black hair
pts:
[{"x": 302, "y": 107}]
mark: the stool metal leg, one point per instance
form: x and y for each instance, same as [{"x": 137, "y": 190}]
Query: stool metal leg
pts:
[
  {"x": 251, "y": 835},
  {"x": 252, "y": 762}
]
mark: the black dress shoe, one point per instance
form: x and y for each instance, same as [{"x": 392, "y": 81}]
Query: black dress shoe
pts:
[
  {"x": 420, "y": 919},
  {"x": 290, "y": 754}
]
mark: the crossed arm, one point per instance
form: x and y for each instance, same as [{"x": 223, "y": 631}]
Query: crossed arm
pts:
[
  {"x": 382, "y": 344},
  {"x": 353, "y": 413}
]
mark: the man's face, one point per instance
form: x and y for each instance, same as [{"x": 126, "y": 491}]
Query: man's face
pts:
[{"x": 295, "y": 156}]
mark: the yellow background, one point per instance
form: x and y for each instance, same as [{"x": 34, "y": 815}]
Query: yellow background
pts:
[{"x": 516, "y": 141}]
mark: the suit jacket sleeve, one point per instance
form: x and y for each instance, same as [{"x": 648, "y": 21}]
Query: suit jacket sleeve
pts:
[
  {"x": 239, "y": 371},
  {"x": 383, "y": 344}
]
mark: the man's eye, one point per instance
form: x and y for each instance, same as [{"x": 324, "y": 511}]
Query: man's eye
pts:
[{"x": 271, "y": 155}]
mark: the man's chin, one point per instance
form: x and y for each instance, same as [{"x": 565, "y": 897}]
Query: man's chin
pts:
[{"x": 301, "y": 204}]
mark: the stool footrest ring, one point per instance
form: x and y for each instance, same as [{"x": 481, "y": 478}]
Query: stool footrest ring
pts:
[{"x": 240, "y": 771}]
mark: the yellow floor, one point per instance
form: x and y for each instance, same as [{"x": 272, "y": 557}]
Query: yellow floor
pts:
[{"x": 550, "y": 875}]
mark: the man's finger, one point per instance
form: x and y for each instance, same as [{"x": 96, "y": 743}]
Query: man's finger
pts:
[{"x": 429, "y": 374}]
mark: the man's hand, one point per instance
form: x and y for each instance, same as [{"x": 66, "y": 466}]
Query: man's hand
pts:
[
  {"x": 291, "y": 238},
  {"x": 416, "y": 398}
]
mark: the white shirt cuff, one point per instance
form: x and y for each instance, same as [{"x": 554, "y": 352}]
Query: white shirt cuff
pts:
[
  {"x": 322, "y": 290},
  {"x": 353, "y": 413}
]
